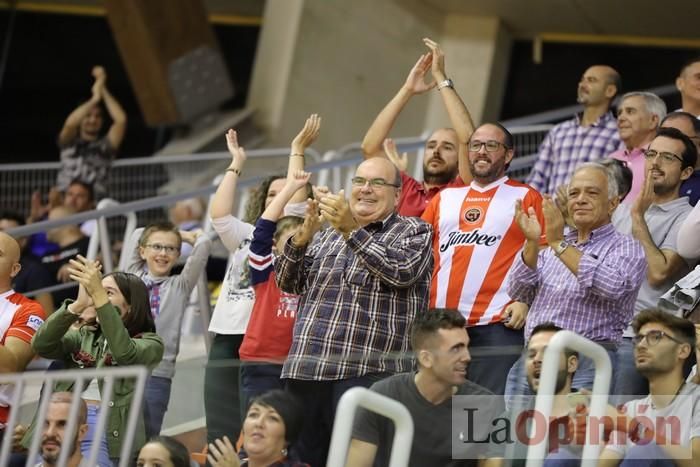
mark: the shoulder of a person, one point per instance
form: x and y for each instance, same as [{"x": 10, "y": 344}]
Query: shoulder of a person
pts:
[
  {"x": 390, "y": 384},
  {"x": 472, "y": 388}
]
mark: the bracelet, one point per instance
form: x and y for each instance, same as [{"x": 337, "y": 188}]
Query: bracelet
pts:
[
  {"x": 236, "y": 171},
  {"x": 298, "y": 155}
]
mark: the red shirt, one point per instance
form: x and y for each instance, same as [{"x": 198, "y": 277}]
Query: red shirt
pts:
[{"x": 415, "y": 198}]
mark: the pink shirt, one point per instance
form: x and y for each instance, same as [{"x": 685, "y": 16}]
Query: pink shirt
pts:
[{"x": 636, "y": 162}]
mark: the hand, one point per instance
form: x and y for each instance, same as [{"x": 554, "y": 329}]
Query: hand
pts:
[
  {"x": 415, "y": 82},
  {"x": 311, "y": 225},
  {"x": 562, "y": 202},
  {"x": 645, "y": 197},
  {"x": 320, "y": 191},
  {"x": 336, "y": 210},
  {"x": 297, "y": 180},
  {"x": 100, "y": 76},
  {"x": 238, "y": 156},
  {"x": 36, "y": 209},
  {"x": 88, "y": 274},
  {"x": 63, "y": 274},
  {"x": 81, "y": 303},
  {"x": 55, "y": 198},
  {"x": 98, "y": 72},
  {"x": 438, "y": 59},
  {"x": 553, "y": 221},
  {"x": 222, "y": 454},
  {"x": 401, "y": 162},
  {"x": 17, "y": 435},
  {"x": 307, "y": 135},
  {"x": 516, "y": 313},
  {"x": 191, "y": 236},
  {"x": 528, "y": 222}
]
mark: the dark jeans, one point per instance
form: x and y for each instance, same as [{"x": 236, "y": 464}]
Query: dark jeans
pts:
[
  {"x": 259, "y": 378},
  {"x": 222, "y": 404},
  {"x": 320, "y": 399},
  {"x": 157, "y": 397},
  {"x": 494, "y": 349}
]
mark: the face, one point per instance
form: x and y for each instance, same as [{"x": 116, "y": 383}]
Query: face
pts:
[
  {"x": 91, "y": 125},
  {"x": 666, "y": 175},
  {"x": 588, "y": 200},
  {"x": 441, "y": 153},
  {"x": 77, "y": 197},
  {"x": 275, "y": 187},
  {"x": 160, "y": 263},
  {"x": 370, "y": 204},
  {"x": 154, "y": 455},
  {"x": 634, "y": 123},
  {"x": 263, "y": 432},
  {"x": 594, "y": 88},
  {"x": 487, "y": 167},
  {"x": 115, "y": 296},
  {"x": 533, "y": 362},
  {"x": 661, "y": 357},
  {"x": 683, "y": 125},
  {"x": 688, "y": 83},
  {"x": 54, "y": 437},
  {"x": 9, "y": 260},
  {"x": 449, "y": 356}
]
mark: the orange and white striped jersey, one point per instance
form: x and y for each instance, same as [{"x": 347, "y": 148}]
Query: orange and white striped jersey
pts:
[{"x": 475, "y": 240}]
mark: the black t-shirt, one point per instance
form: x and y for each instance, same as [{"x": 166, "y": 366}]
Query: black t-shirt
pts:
[
  {"x": 53, "y": 262},
  {"x": 32, "y": 276}
]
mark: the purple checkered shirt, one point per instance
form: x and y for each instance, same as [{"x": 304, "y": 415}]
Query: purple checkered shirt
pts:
[
  {"x": 358, "y": 298},
  {"x": 598, "y": 304},
  {"x": 567, "y": 145}
]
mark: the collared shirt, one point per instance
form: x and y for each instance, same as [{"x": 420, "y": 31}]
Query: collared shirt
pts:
[
  {"x": 691, "y": 188},
  {"x": 358, "y": 298},
  {"x": 415, "y": 198},
  {"x": 597, "y": 303},
  {"x": 636, "y": 163},
  {"x": 569, "y": 144}
]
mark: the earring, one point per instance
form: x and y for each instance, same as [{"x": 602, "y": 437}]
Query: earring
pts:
[{"x": 284, "y": 452}]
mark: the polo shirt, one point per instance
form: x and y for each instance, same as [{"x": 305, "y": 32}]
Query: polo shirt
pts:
[{"x": 415, "y": 198}]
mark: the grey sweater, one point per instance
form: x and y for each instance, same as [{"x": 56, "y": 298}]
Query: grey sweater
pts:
[{"x": 174, "y": 296}]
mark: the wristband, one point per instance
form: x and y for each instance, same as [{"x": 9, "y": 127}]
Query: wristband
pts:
[
  {"x": 447, "y": 83},
  {"x": 236, "y": 171},
  {"x": 298, "y": 155}
]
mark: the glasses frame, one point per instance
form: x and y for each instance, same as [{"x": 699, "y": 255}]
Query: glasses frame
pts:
[
  {"x": 666, "y": 156},
  {"x": 638, "y": 338},
  {"x": 167, "y": 249},
  {"x": 484, "y": 144},
  {"x": 373, "y": 182}
]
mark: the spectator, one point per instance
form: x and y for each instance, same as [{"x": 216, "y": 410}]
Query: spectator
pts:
[
  {"x": 233, "y": 308},
  {"x": 21, "y": 317},
  {"x": 586, "y": 281},
  {"x": 32, "y": 274},
  {"x": 663, "y": 343},
  {"x": 154, "y": 254},
  {"x": 163, "y": 451},
  {"x": 688, "y": 84},
  {"x": 71, "y": 242},
  {"x": 440, "y": 343},
  {"x": 54, "y": 437},
  {"x": 475, "y": 243},
  {"x": 638, "y": 117},
  {"x": 444, "y": 149},
  {"x": 588, "y": 136},
  {"x": 688, "y": 238},
  {"x": 125, "y": 336},
  {"x": 187, "y": 216},
  {"x": 654, "y": 220},
  {"x": 362, "y": 282},
  {"x": 689, "y": 126},
  {"x": 85, "y": 155}
]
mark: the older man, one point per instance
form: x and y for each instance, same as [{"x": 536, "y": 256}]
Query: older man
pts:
[
  {"x": 638, "y": 117},
  {"x": 361, "y": 283},
  {"x": 688, "y": 84},
  {"x": 589, "y": 136},
  {"x": 586, "y": 281}
]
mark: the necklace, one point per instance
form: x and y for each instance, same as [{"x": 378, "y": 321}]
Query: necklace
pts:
[{"x": 653, "y": 405}]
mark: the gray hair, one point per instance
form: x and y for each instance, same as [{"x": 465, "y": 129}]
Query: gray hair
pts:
[
  {"x": 653, "y": 103},
  {"x": 612, "y": 183}
]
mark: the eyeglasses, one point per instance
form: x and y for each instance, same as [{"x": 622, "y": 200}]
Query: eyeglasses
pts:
[
  {"x": 374, "y": 182},
  {"x": 666, "y": 157},
  {"x": 653, "y": 337},
  {"x": 158, "y": 248},
  {"x": 491, "y": 145}
]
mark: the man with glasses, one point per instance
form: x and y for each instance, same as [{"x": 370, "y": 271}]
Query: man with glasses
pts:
[
  {"x": 475, "y": 243},
  {"x": 689, "y": 126},
  {"x": 654, "y": 220},
  {"x": 360, "y": 284}
]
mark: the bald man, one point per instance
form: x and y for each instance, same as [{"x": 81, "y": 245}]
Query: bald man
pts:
[{"x": 20, "y": 317}]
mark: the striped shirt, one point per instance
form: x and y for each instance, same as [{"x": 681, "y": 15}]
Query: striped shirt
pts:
[
  {"x": 598, "y": 303},
  {"x": 358, "y": 298},
  {"x": 567, "y": 145}
]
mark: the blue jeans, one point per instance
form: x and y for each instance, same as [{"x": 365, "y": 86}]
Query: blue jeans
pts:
[
  {"x": 648, "y": 455},
  {"x": 259, "y": 378},
  {"x": 157, "y": 397},
  {"x": 628, "y": 381},
  {"x": 103, "y": 459},
  {"x": 494, "y": 349}
]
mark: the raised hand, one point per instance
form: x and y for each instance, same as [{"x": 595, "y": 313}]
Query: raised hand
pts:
[
  {"x": 100, "y": 76},
  {"x": 528, "y": 222},
  {"x": 238, "y": 156},
  {"x": 438, "y": 59},
  {"x": 87, "y": 273},
  {"x": 311, "y": 225},
  {"x": 307, "y": 135},
  {"x": 401, "y": 162},
  {"x": 553, "y": 220},
  {"x": 645, "y": 197},
  {"x": 191, "y": 236},
  {"x": 297, "y": 180},
  {"x": 222, "y": 454},
  {"x": 336, "y": 210},
  {"x": 415, "y": 81}
]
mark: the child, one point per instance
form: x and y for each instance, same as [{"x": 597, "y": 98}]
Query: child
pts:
[
  {"x": 269, "y": 333},
  {"x": 156, "y": 250}
]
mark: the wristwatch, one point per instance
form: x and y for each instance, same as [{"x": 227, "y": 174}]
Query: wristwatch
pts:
[
  {"x": 447, "y": 83},
  {"x": 560, "y": 247}
]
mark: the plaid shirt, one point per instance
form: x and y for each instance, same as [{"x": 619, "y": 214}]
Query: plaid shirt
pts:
[
  {"x": 599, "y": 302},
  {"x": 358, "y": 298},
  {"x": 567, "y": 145}
]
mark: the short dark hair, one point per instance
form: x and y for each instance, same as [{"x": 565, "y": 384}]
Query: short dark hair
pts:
[
  {"x": 615, "y": 79},
  {"x": 622, "y": 174},
  {"x": 682, "y": 328},
  {"x": 163, "y": 226},
  {"x": 66, "y": 397},
  {"x": 179, "y": 455},
  {"x": 690, "y": 152},
  {"x": 89, "y": 187},
  {"x": 12, "y": 216},
  {"x": 689, "y": 62},
  {"x": 694, "y": 121},
  {"x": 427, "y": 323},
  {"x": 549, "y": 326},
  {"x": 135, "y": 292},
  {"x": 288, "y": 406}
]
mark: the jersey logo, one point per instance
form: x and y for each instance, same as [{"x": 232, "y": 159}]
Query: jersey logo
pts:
[
  {"x": 34, "y": 322},
  {"x": 473, "y": 215},
  {"x": 475, "y": 237}
]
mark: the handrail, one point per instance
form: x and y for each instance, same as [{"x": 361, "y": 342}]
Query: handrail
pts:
[
  {"x": 370, "y": 400},
  {"x": 545, "y": 394}
]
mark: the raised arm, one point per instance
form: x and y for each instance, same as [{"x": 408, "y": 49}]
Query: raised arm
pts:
[
  {"x": 116, "y": 132},
  {"x": 71, "y": 126},
  {"x": 222, "y": 203},
  {"x": 295, "y": 182},
  {"x": 303, "y": 140},
  {"x": 382, "y": 125}
]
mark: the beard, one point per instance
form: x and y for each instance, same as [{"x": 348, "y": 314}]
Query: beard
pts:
[
  {"x": 440, "y": 176},
  {"x": 562, "y": 377},
  {"x": 495, "y": 171},
  {"x": 52, "y": 457}
]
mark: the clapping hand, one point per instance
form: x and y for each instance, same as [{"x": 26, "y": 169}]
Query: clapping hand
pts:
[
  {"x": 336, "y": 210},
  {"x": 222, "y": 454},
  {"x": 401, "y": 162},
  {"x": 88, "y": 274},
  {"x": 415, "y": 82},
  {"x": 307, "y": 135},
  {"x": 528, "y": 222},
  {"x": 238, "y": 156},
  {"x": 311, "y": 225}
]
